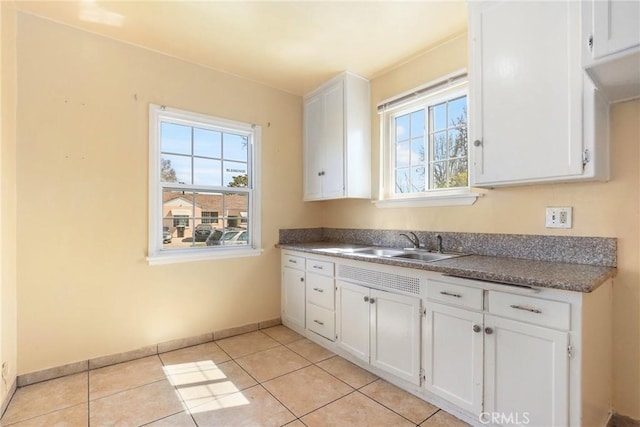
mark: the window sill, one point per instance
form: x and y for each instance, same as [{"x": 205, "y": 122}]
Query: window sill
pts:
[
  {"x": 433, "y": 200},
  {"x": 173, "y": 257}
]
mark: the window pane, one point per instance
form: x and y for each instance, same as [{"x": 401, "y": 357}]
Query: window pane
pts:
[
  {"x": 235, "y": 147},
  {"x": 457, "y": 143},
  {"x": 438, "y": 175},
  {"x": 235, "y": 174},
  {"x": 402, "y": 154},
  {"x": 175, "y": 169},
  {"x": 207, "y": 172},
  {"x": 417, "y": 123},
  {"x": 402, "y": 180},
  {"x": 402, "y": 128},
  {"x": 207, "y": 143},
  {"x": 439, "y": 145},
  {"x": 417, "y": 179},
  {"x": 458, "y": 173},
  {"x": 417, "y": 151},
  {"x": 175, "y": 138},
  {"x": 458, "y": 112},
  {"x": 439, "y": 117}
]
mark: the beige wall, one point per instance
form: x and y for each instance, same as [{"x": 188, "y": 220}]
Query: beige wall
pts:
[
  {"x": 85, "y": 289},
  {"x": 600, "y": 209},
  {"x": 8, "y": 343}
]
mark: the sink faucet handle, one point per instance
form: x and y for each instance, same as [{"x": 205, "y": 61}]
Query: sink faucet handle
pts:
[{"x": 439, "y": 238}]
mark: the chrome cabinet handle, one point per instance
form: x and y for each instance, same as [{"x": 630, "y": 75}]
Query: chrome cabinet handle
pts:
[
  {"x": 371, "y": 300},
  {"x": 293, "y": 261},
  {"x": 450, "y": 294},
  {"x": 318, "y": 290},
  {"x": 319, "y": 267},
  {"x": 366, "y": 299},
  {"x": 319, "y": 322},
  {"x": 302, "y": 279},
  {"x": 477, "y": 328},
  {"x": 488, "y": 331},
  {"x": 477, "y": 143},
  {"x": 529, "y": 309}
]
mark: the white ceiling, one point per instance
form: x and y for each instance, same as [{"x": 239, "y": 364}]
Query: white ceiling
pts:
[{"x": 289, "y": 45}]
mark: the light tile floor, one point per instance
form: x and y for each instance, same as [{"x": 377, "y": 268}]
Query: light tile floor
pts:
[{"x": 272, "y": 377}]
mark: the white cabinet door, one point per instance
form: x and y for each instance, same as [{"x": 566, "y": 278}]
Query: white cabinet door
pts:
[
  {"x": 313, "y": 138},
  {"x": 353, "y": 319},
  {"x": 616, "y": 26},
  {"x": 395, "y": 334},
  {"x": 293, "y": 297},
  {"x": 454, "y": 355},
  {"x": 334, "y": 141},
  {"x": 525, "y": 92},
  {"x": 526, "y": 372}
]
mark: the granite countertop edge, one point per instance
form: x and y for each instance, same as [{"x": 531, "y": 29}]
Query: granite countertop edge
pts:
[{"x": 514, "y": 271}]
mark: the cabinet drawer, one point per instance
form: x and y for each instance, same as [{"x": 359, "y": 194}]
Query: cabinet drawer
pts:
[
  {"x": 321, "y": 321},
  {"x": 553, "y": 314},
  {"x": 293, "y": 261},
  {"x": 320, "y": 291},
  {"x": 450, "y": 293},
  {"x": 320, "y": 267}
]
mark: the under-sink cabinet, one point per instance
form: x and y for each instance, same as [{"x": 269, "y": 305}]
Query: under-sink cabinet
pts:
[
  {"x": 491, "y": 354},
  {"x": 381, "y": 328}
]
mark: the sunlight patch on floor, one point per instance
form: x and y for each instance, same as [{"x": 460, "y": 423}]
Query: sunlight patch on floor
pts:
[{"x": 202, "y": 386}]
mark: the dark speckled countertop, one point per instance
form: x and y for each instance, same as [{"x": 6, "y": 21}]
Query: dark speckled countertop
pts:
[{"x": 545, "y": 274}]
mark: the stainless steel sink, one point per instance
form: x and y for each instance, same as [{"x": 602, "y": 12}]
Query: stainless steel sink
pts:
[
  {"x": 413, "y": 254},
  {"x": 379, "y": 252},
  {"x": 426, "y": 256}
]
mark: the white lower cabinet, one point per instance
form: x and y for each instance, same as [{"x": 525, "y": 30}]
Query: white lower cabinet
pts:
[
  {"x": 454, "y": 355},
  {"x": 293, "y": 292},
  {"x": 320, "y": 306},
  {"x": 526, "y": 373},
  {"x": 381, "y": 328}
]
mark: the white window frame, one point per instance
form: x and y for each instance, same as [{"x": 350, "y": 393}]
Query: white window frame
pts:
[
  {"x": 156, "y": 253},
  {"x": 447, "y": 88}
]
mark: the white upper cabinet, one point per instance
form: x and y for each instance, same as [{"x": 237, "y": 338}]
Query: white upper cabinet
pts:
[
  {"x": 529, "y": 96},
  {"x": 611, "y": 46},
  {"x": 337, "y": 140}
]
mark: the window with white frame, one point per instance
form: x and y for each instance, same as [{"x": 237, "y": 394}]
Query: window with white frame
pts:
[
  {"x": 203, "y": 171},
  {"x": 425, "y": 146}
]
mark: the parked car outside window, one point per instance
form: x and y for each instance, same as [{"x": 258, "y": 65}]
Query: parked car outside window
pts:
[
  {"x": 227, "y": 237},
  {"x": 201, "y": 232},
  {"x": 166, "y": 235}
]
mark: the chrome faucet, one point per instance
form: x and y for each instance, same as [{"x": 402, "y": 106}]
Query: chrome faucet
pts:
[
  {"x": 415, "y": 241},
  {"x": 439, "y": 237}
]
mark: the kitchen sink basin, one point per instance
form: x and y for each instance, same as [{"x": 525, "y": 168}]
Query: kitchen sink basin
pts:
[
  {"x": 426, "y": 256},
  {"x": 413, "y": 254},
  {"x": 383, "y": 252}
]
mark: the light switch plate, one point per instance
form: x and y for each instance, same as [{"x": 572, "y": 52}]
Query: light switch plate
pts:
[{"x": 559, "y": 217}]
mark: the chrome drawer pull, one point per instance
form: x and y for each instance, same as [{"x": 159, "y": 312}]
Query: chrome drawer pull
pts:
[
  {"x": 319, "y": 267},
  {"x": 318, "y": 290},
  {"x": 451, "y": 295},
  {"x": 531, "y": 310},
  {"x": 293, "y": 262},
  {"x": 319, "y": 322}
]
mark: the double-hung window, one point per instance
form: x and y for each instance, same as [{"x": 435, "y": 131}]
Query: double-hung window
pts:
[
  {"x": 204, "y": 199},
  {"x": 425, "y": 148}
]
